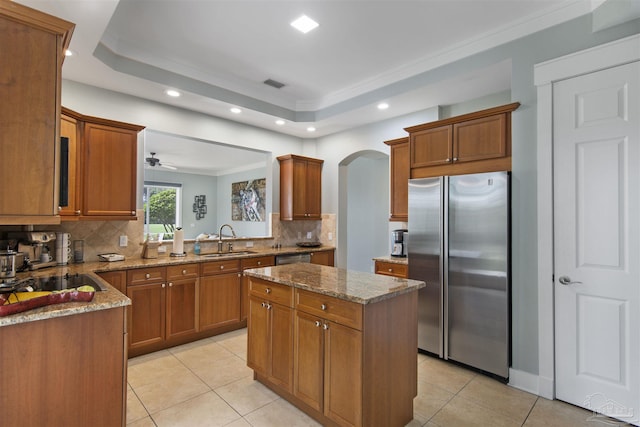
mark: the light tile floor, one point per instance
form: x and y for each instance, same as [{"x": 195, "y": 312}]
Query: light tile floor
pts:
[{"x": 207, "y": 383}]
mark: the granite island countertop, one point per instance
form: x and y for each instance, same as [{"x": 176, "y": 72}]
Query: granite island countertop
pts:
[
  {"x": 355, "y": 286},
  {"x": 392, "y": 259}
]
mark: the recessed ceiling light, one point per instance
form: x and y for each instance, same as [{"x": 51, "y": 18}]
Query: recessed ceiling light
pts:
[
  {"x": 311, "y": 129},
  {"x": 236, "y": 110},
  {"x": 304, "y": 24},
  {"x": 280, "y": 122},
  {"x": 172, "y": 93},
  {"x": 383, "y": 106}
]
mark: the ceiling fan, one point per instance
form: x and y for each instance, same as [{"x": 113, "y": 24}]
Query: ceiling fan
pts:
[{"x": 154, "y": 161}]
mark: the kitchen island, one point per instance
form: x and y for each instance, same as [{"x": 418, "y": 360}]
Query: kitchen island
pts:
[{"x": 340, "y": 345}]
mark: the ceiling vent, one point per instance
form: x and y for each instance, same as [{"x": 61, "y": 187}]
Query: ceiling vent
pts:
[{"x": 273, "y": 83}]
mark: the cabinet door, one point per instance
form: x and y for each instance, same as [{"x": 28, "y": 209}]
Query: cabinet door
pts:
[
  {"x": 117, "y": 279},
  {"x": 431, "y": 147},
  {"x": 343, "y": 374},
  {"x": 323, "y": 258},
  {"x": 479, "y": 139},
  {"x": 69, "y": 129},
  {"x": 146, "y": 314},
  {"x": 399, "y": 186},
  {"x": 258, "y": 347},
  {"x": 219, "y": 300},
  {"x": 308, "y": 352},
  {"x": 109, "y": 159},
  {"x": 313, "y": 190},
  {"x": 281, "y": 319},
  {"x": 299, "y": 189},
  {"x": 181, "y": 307}
]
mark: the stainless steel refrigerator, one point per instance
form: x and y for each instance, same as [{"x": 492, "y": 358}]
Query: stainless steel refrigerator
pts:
[{"x": 459, "y": 244}]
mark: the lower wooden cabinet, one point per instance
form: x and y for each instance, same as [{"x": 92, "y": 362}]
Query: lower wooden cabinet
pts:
[
  {"x": 246, "y": 263},
  {"x": 117, "y": 279},
  {"x": 147, "y": 313},
  {"x": 270, "y": 334},
  {"x": 392, "y": 269},
  {"x": 219, "y": 302},
  {"x": 323, "y": 258},
  {"x": 182, "y": 291}
]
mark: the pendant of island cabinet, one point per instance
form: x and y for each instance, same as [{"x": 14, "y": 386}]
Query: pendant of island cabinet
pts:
[
  {"x": 102, "y": 168},
  {"x": 30, "y": 113}
]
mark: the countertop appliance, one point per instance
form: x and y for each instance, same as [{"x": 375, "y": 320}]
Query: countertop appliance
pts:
[
  {"x": 459, "y": 244},
  {"x": 398, "y": 243}
]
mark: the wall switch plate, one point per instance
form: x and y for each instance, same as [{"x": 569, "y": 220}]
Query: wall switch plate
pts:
[
  {"x": 330, "y": 236},
  {"x": 123, "y": 241},
  {"x": 309, "y": 235}
]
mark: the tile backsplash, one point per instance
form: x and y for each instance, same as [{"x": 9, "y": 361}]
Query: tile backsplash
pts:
[{"x": 104, "y": 236}]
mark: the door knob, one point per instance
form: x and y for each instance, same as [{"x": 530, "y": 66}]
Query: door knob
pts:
[{"x": 566, "y": 280}]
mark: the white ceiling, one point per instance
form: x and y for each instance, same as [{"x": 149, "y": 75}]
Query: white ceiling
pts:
[{"x": 218, "y": 53}]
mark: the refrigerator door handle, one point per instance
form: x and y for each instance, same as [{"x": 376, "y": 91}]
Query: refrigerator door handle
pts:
[{"x": 444, "y": 262}]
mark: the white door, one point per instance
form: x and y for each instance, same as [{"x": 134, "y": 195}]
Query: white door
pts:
[{"x": 596, "y": 241}]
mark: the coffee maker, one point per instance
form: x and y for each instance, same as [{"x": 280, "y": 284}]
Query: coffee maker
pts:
[
  {"x": 35, "y": 245},
  {"x": 399, "y": 244}
]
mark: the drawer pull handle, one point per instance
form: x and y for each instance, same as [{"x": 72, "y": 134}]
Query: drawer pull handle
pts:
[
  {"x": 147, "y": 276},
  {"x": 268, "y": 290},
  {"x": 325, "y": 326},
  {"x": 323, "y": 307},
  {"x": 318, "y": 323}
]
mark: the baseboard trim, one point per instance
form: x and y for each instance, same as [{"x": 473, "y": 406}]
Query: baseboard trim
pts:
[{"x": 531, "y": 383}]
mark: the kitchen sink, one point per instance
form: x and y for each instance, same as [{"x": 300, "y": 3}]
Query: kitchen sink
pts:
[{"x": 221, "y": 254}]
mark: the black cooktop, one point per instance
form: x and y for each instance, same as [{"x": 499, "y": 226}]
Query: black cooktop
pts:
[{"x": 48, "y": 283}]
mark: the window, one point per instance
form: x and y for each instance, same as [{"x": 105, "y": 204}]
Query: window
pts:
[{"x": 162, "y": 202}]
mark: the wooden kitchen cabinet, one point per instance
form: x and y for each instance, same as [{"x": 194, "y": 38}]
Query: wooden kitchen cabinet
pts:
[
  {"x": 270, "y": 334},
  {"x": 182, "y": 294},
  {"x": 399, "y": 173},
  {"x": 65, "y": 371},
  {"x": 300, "y": 188},
  {"x": 147, "y": 314},
  {"x": 102, "y": 168},
  {"x": 117, "y": 279},
  {"x": 471, "y": 143},
  {"x": 246, "y": 263},
  {"x": 323, "y": 257},
  {"x": 392, "y": 269},
  {"x": 30, "y": 84},
  {"x": 219, "y": 296}
]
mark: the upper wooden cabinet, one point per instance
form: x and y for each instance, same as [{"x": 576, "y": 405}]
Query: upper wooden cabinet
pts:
[
  {"x": 102, "y": 167},
  {"x": 399, "y": 179},
  {"x": 29, "y": 113},
  {"x": 475, "y": 142},
  {"x": 300, "y": 187}
]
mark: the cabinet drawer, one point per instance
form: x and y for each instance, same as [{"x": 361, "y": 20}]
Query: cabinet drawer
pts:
[
  {"x": 275, "y": 292},
  {"x": 146, "y": 275},
  {"x": 263, "y": 261},
  {"x": 392, "y": 269},
  {"x": 344, "y": 312},
  {"x": 184, "y": 271},
  {"x": 217, "y": 267}
]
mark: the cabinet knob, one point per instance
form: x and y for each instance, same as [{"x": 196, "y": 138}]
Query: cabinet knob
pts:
[
  {"x": 325, "y": 326},
  {"x": 323, "y": 307},
  {"x": 170, "y": 284},
  {"x": 318, "y": 323},
  {"x": 259, "y": 262},
  {"x": 59, "y": 208},
  {"x": 268, "y": 306},
  {"x": 77, "y": 212},
  {"x": 133, "y": 213},
  {"x": 455, "y": 159},
  {"x": 222, "y": 267},
  {"x": 163, "y": 285},
  {"x": 263, "y": 304},
  {"x": 391, "y": 270},
  {"x": 448, "y": 160},
  {"x": 268, "y": 290},
  {"x": 184, "y": 272},
  {"x": 146, "y": 276}
]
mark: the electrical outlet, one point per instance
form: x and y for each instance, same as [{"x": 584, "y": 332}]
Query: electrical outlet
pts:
[
  {"x": 309, "y": 234},
  {"x": 249, "y": 244},
  {"x": 123, "y": 241},
  {"x": 330, "y": 236}
]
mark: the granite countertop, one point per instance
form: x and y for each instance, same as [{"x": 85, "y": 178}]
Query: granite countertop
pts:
[
  {"x": 393, "y": 259},
  {"x": 112, "y": 298},
  {"x": 355, "y": 286}
]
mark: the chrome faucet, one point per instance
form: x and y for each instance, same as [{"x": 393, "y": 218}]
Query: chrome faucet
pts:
[{"x": 233, "y": 233}]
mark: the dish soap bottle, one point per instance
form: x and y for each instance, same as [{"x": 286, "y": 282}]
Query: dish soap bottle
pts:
[{"x": 196, "y": 247}]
